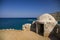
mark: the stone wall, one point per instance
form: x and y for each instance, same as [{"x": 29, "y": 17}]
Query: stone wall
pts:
[{"x": 58, "y": 31}]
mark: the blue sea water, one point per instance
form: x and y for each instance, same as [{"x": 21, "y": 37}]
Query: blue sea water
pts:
[
  {"x": 58, "y": 22},
  {"x": 14, "y": 23}
]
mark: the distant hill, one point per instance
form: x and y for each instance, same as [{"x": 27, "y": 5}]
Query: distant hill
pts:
[{"x": 56, "y": 15}]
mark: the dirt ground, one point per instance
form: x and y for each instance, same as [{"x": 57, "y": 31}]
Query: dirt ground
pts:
[{"x": 22, "y": 35}]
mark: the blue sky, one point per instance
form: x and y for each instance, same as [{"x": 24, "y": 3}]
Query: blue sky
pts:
[{"x": 27, "y": 8}]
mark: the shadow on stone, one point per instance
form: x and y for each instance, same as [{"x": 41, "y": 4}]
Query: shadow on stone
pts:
[
  {"x": 40, "y": 28},
  {"x": 33, "y": 27},
  {"x": 55, "y": 33}
]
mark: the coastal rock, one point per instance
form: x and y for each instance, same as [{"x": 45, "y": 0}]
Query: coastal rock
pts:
[
  {"x": 33, "y": 26},
  {"x": 26, "y": 27},
  {"x": 44, "y": 24},
  {"x": 33, "y": 22},
  {"x": 49, "y": 23},
  {"x": 8, "y": 29}
]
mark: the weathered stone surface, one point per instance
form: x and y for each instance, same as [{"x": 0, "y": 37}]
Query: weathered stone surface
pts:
[
  {"x": 49, "y": 23},
  {"x": 26, "y": 27}
]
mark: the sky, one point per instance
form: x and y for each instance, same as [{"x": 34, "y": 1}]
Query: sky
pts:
[{"x": 27, "y": 8}]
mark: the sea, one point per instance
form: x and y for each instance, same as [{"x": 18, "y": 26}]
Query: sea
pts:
[
  {"x": 14, "y": 23},
  {"x": 58, "y": 22}
]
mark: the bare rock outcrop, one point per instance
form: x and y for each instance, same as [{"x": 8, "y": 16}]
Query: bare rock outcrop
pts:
[{"x": 26, "y": 27}]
